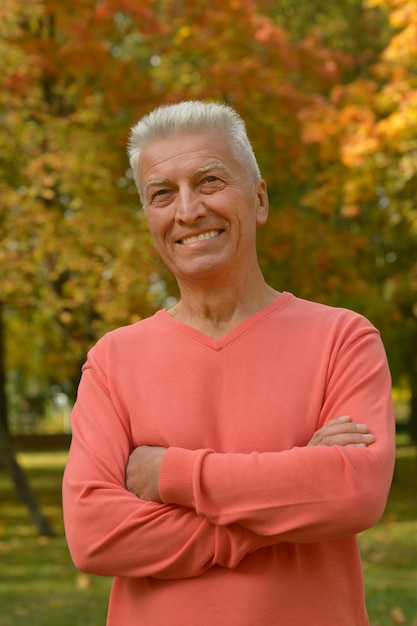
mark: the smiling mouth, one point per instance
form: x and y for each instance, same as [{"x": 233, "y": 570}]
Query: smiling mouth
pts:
[{"x": 201, "y": 237}]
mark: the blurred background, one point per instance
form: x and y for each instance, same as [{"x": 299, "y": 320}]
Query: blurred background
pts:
[{"x": 329, "y": 95}]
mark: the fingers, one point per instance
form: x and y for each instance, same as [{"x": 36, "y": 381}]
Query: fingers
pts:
[
  {"x": 142, "y": 472},
  {"x": 341, "y": 431}
]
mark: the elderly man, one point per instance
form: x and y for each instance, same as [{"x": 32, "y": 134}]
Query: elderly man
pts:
[{"x": 226, "y": 451}]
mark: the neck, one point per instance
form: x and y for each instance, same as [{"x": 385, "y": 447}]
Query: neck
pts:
[{"x": 216, "y": 310}]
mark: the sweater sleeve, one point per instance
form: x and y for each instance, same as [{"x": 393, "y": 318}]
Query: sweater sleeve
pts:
[
  {"x": 304, "y": 494},
  {"x": 111, "y": 532}
]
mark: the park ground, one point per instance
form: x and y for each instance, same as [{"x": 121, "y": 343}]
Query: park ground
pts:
[{"x": 40, "y": 586}]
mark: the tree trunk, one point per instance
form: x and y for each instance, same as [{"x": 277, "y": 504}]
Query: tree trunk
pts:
[
  {"x": 412, "y": 423},
  {"x": 22, "y": 486},
  {"x": 7, "y": 457},
  {"x": 3, "y": 399}
]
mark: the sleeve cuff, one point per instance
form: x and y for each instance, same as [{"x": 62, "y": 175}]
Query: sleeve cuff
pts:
[{"x": 176, "y": 476}]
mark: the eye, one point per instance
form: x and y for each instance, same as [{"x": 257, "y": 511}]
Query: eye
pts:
[
  {"x": 160, "y": 196},
  {"x": 211, "y": 183}
]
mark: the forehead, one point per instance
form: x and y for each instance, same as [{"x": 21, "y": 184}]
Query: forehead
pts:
[{"x": 182, "y": 154}]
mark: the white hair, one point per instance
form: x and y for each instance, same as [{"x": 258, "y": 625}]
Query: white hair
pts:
[{"x": 193, "y": 116}]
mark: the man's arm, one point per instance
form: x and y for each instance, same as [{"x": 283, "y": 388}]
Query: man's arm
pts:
[
  {"x": 144, "y": 465},
  {"x": 112, "y": 533}
]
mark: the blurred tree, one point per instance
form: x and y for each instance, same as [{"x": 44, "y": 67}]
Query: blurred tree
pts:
[
  {"x": 7, "y": 456},
  {"x": 365, "y": 132},
  {"x": 72, "y": 237},
  {"x": 70, "y": 250}
]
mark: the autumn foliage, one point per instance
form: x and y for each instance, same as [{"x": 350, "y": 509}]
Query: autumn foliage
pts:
[{"x": 330, "y": 100}]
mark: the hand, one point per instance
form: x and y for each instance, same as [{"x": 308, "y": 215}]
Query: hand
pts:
[
  {"x": 341, "y": 431},
  {"x": 142, "y": 472}
]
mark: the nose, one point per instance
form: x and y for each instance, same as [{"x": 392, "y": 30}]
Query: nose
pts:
[{"x": 189, "y": 206}]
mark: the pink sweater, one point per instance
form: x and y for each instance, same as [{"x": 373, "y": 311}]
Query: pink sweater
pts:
[{"x": 257, "y": 529}]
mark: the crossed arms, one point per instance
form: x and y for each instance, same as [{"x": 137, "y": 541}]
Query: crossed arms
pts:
[
  {"x": 144, "y": 465},
  {"x": 132, "y": 513}
]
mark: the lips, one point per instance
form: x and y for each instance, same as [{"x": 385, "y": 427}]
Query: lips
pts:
[{"x": 200, "y": 237}]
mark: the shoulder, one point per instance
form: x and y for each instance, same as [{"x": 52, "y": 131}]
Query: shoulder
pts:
[
  {"x": 318, "y": 313},
  {"x": 325, "y": 324},
  {"x": 125, "y": 340}
]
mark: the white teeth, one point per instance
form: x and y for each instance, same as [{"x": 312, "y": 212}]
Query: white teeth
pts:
[{"x": 202, "y": 237}]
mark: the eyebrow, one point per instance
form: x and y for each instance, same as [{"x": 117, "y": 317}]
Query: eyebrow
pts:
[
  {"x": 210, "y": 167},
  {"x": 157, "y": 182}
]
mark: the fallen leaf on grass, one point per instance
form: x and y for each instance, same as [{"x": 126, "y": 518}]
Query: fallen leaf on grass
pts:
[
  {"x": 397, "y": 615},
  {"x": 83, "y": 581}
]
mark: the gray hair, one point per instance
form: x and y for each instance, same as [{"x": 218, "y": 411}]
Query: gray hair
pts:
[{"x": 193, "y": 116}]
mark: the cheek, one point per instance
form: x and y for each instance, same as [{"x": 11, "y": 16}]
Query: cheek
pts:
[
  {"x": 155, "y": 225},
  {"x": 158, "y": 231}
]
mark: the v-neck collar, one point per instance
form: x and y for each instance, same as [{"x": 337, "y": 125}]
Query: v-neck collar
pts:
[{"x": 218, "y": 344}]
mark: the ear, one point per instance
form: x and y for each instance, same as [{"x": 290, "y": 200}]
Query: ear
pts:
[{"x": 262, "y": 208}]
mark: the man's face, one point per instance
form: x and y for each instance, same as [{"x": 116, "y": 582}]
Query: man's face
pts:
[{"x": 202, "y": 210}]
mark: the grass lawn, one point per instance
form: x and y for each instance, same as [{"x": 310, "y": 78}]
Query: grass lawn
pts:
[
  {"x": 38, "y": 583},
  {"x": 389, "y": 550},
  {"x": 40, "y": 586}
]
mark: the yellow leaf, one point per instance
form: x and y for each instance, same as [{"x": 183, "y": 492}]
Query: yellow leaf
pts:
[
  {"x": 83, "y": 581},
  {"x": 397, "y": 615}
]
